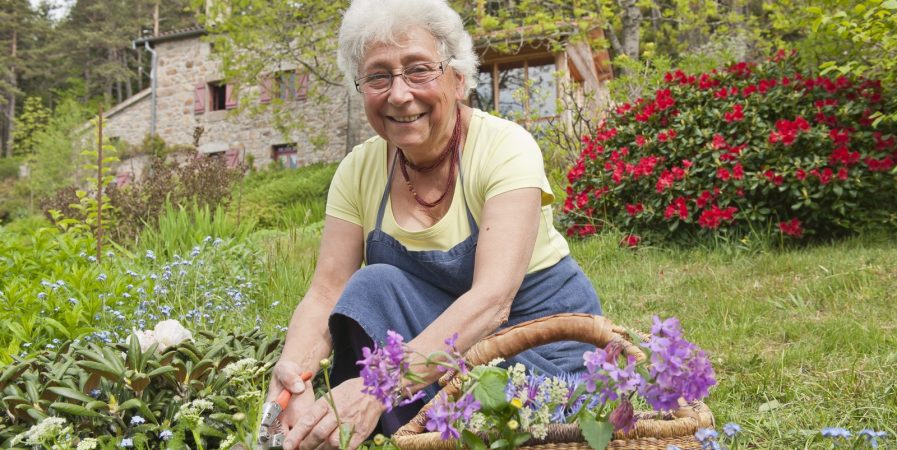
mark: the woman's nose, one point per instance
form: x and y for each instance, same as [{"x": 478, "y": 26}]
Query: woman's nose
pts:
[{"x": 400, "y": 92}]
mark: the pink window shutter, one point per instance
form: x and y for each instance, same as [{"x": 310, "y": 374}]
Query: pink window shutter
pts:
[
  {"x": 265, "y": 86},
  {"x": 199, "y": 98},
  {"x": 230, "y": 97},
  {"x": 301, "y": 85},
  {"x": 232, "y": 158}
]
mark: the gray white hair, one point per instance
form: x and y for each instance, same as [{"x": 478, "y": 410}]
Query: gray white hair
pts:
[{"x": 368, "y": 22}]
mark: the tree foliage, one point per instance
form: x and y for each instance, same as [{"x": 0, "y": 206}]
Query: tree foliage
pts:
[{"x": 870, "y": 28}]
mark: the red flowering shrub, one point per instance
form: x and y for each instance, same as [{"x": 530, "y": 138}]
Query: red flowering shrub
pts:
[{"x": 744, "y": 147}]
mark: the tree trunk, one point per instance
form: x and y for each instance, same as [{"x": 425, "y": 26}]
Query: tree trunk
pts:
[
  {"x": 631, "y": 33},
  {"x": 11, "y": 104},
  {"x": 128, "y": 89}
]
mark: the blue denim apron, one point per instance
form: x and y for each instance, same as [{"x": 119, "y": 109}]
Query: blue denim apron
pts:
[{"x": 405, "y": 291}]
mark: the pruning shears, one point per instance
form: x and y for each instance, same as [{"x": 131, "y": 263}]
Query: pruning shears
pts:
[{"x": 271, "y": 433}]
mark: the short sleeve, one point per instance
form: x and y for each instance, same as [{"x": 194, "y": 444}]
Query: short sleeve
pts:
[
  {"x": 344, "y": 195},
  {"x": 515, "y": 162}
]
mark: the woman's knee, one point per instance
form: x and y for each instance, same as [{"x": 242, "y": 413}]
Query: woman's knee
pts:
[{"x": 376, "y": 276}]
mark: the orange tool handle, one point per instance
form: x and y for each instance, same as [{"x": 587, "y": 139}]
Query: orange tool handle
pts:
[{"x": 284, "y": 398}]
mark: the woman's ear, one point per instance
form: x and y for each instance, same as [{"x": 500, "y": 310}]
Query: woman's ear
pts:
[{"x": 460, "y": 85}]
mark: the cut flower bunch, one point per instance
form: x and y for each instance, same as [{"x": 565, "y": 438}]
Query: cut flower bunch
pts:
[
  {"x": 504, "y": 408},
  {"x": 742, "y": 148}
]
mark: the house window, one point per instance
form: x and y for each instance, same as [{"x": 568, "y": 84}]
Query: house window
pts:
[
  {"x": 286, "y": 85},
  {"x": 217, "y": 96},
  {"x": 286, "y": 154},
  {"x": 522, "y": 89}
]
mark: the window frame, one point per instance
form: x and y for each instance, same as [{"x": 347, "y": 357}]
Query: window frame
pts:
[{"x": 496, "y": 64}]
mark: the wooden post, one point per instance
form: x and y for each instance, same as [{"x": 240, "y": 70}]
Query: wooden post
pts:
[
  {"x": 156, "y": 18},
  {"x": 100, "y": 186}
]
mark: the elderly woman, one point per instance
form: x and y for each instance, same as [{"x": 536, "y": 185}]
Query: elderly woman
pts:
[{"x": 447, "y": 207}]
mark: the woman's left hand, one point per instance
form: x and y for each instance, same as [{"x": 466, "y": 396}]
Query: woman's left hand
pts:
[{"x": 319, "y": 430}]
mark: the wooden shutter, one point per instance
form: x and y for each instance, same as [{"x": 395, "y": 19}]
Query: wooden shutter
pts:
[
  {"x": 199, "y": 98},
  {"x": 301, "y": 85},
  {"x": 232, "y": 158},
  {"x": 230, "y": 97},
  {"x": 265, "y": 86},
  {"x": 122, "y": 179}
]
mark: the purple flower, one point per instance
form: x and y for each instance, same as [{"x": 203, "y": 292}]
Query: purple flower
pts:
[
  {"x": 678, "y": 368},
  {"x": 444, "y": 414},
  {"x": 707, "y": 437},
  {"x": 836, "y": 432},
  {"x": 623, "y": 416},
  {"x": 605, "y": 375},
  {"x": 872, "y": 436},
  {"x": 383, "y": 368},
  {"x": 731, "y": 429}
]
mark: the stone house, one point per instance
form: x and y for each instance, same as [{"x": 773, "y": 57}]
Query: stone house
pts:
[{"x": 194, "y": 105}]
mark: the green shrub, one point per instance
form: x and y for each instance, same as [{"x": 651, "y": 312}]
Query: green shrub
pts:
[
  {"x": 201, "y": 394},
  {"x": 283, "y": 198},
  {"x": 203, "y": 181},
  {"x": 746, "y": 147},
  {"x": 52, "y": 289},
  {"x": 9, "y": 168}
]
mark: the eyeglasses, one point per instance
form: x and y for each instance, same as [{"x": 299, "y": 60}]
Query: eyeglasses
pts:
[{"x": 414, "y": 75}]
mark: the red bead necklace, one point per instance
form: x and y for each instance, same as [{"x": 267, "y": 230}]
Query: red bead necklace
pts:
[{"x": 451, "y": 150}]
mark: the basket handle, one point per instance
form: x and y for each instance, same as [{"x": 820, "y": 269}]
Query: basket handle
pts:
[{"x": 595, "y": 330}]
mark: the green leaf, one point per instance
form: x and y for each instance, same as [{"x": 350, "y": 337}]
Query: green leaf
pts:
[
  {"x": 472, "y": 441},
  {"x": 74, "y": 410},
  {"x": 71, "y": 394},
  {"x": 490, "y": 390},
  {"x": 597, "y": 434},
  {"x": 520, "y": 438},
  {"x": 890, "y": 4},
  {"x": 501, "y": 443}
]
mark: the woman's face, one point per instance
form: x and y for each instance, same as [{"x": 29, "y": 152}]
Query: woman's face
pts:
[{"x": 418, "y": 119}]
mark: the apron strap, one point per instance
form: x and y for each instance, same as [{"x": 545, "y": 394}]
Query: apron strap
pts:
[{"x": 385, "y": 196}]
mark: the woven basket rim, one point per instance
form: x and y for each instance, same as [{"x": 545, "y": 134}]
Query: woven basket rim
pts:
[{"x": 661, "y": 430}]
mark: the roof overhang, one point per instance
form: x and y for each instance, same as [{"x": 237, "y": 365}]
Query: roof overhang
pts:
[{"x": 175, "y": 35}]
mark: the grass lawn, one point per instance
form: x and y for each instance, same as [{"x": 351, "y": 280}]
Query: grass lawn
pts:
[{"x": 801, "y": 339}]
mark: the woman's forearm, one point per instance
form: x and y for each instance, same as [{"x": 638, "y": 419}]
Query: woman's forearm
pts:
[
  {"x": 308, "y": 338},
  {"x": 474, "y": 315}
]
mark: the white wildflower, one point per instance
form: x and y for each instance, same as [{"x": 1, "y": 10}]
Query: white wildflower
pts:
[
  {"x": 146, "y": 338},
  {"x": 171, "y": 332},
  {"x": 229, "y": 442},
  {"x": 87, "y": 444},
  {"x": 517, "y": 374},
  {"x": 477, "y": 423},
  {"x": 244, "y": 368},
  {"x": 554, "y": 391},
  {"x": 495, "y": 362},
  {"x": 46, "y": 430}
]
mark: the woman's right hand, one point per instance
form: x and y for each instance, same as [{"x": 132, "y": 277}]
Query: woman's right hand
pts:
[{"x": 287, "y": 375}]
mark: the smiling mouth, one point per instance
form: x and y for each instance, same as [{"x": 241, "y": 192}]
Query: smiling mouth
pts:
[{"x": 406, "y": 119}]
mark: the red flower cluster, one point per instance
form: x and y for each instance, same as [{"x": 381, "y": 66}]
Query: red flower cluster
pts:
[
  {"x": 630, "y": 240},
  {"x": 773, "y": 177},
  {"x": 678, "y": 207},
  {"x": 786, "y": 130},
  {"x": 735, "y": 115},
  {"x": 665, "y": 136},
  {"x": 634, "y": 209},
  {"x": 791, "y": 228},
  {"x": 741, "y": 69},
  {"x": 713, "y": 217}
]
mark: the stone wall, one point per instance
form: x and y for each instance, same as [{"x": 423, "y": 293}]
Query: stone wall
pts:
[{"x": 184, "y": 64}]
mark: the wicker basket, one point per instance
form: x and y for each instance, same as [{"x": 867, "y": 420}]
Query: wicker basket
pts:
[{"x": 650, "y": 432}]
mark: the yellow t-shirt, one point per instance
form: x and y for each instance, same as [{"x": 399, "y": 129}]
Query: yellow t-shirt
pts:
[{"x": 498, "y": 156}]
